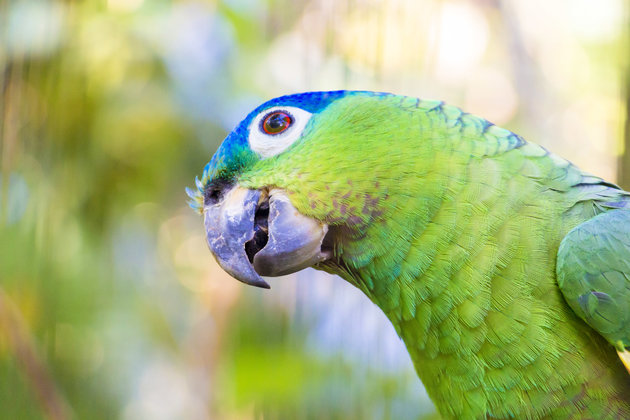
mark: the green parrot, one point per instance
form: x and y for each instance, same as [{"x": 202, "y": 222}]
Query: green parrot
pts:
[{"x": 504, "y": 269}]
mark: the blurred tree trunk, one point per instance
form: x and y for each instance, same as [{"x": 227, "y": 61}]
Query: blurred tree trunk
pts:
[
  {"x": 21, "y": 344},
  {"x": 623, "y": 166}
]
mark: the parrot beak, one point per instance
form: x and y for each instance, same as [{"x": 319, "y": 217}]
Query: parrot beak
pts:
[{"x": 254, "y": 233}]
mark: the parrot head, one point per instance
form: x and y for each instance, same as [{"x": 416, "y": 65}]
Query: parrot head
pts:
[{"x": 304, "y": 177}]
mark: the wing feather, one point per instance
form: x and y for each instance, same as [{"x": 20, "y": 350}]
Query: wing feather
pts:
[{"x": 593, "y": 269}]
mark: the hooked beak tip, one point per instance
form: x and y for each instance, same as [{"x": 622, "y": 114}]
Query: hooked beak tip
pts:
[
  {"x": 229, "y": 225},
  {"x": 253, "y": 233}
]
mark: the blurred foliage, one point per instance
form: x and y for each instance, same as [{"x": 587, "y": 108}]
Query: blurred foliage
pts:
[{"x": 110, "y": 304}]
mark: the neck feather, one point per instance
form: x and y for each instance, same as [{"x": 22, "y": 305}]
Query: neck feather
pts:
[{"x": 468, "y": 282}]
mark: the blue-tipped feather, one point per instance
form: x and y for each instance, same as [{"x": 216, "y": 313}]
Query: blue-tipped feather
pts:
[{"x": 191, "y": 193}]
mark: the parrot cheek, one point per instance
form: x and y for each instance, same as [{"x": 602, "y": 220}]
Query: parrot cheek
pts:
[{"x": 253, "y": 233}]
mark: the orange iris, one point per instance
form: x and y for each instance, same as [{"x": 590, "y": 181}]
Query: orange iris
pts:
[{"x": 276, "y": 122}]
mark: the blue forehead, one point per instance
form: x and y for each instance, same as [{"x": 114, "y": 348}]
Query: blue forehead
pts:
[{"x": 234, "y": 153}]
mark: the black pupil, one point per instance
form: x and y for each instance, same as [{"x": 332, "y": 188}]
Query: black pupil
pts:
[{"x": 277, "y": 123}]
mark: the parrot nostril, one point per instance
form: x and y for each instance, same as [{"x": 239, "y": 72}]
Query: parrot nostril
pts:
[
  {"x": 211, "y": 196},
  {"x": 261, "y": 231},
  {"x": 215, "y": 191}
]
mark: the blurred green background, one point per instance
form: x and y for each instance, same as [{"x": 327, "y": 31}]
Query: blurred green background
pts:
[{"x": 111, "y": 306}]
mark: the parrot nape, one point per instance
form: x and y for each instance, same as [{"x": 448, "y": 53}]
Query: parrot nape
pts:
[{"x": 505, "y": 269}]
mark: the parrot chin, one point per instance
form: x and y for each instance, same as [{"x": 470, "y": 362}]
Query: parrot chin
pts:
[{"x": 254, "y": 233}]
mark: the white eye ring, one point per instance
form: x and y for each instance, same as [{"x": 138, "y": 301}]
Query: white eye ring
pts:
[{"x": 267, "y": 145}]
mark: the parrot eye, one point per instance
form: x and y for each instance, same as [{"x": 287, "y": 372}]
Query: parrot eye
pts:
[
  {"x": 276, "y": 122},
  {"x": 275, "y": 129}
]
